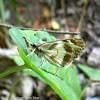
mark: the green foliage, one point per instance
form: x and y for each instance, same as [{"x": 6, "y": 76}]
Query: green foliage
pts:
[
  {"x": 64, "y": 81},
  {"x": 90, "y": 72},
  {"x": 2, "y": 11},
  {"x": 18, "y": 60},
  {"x": 16, "y": 12}
]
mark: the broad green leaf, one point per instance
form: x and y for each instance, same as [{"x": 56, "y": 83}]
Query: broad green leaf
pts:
[
  {"x": 16, "y": 35},
  {"x": 90, "y": 72},
  {"x": 64, "y": 81}
]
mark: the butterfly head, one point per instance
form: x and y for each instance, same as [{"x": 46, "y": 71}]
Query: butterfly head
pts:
[{"x": 34, "y": 45}]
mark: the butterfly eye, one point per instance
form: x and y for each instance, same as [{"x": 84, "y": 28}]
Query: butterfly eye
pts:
[{"x": 33, "y": 45}]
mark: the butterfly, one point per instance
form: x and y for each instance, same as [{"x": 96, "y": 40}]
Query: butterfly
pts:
[{"x": 60, "y": 52}]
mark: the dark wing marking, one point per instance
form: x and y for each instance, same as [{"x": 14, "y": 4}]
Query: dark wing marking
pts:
[{"x": 59, "y": 56}]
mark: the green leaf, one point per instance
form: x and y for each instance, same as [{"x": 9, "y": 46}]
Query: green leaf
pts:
[
  {"x": 33, "y": 73},
  {"x": 18, "y": 60},
  {"x": 29, "y": 34},
  {"x": 16, "y": 35},
  {"x": 71, "y": 78},
  {"x": 90, "y": 72},
  {"x": 64, "y": 81},
  {"x": 42, "y": 34}
]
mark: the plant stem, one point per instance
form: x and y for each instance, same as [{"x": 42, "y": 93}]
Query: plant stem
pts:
[
  {"x": 15, "y": 84},
  {"x": 16, "y": 12},
  {"x": 12, "y": 71},
  {"x": 50, "y": 31},
  {"x": 2, "y": 11},
  {"x": 85, "y": 88}
]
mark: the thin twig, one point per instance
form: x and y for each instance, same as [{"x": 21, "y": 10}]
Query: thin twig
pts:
[
  {"x": 89, "y": 83},
  {"x": 63, "y": 7},
  {"x": 50, "y": 31},
  {"x": 95, "y": 80},
  {"x": 82, "y": 17}
]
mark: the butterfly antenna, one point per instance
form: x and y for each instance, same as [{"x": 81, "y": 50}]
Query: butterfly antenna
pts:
[{"x": 26, "y": 42}]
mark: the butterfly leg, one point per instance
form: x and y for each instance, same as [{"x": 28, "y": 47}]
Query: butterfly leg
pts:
[
  {"x": 28, "y": 48},
  {"x": 31, "y": 53}
]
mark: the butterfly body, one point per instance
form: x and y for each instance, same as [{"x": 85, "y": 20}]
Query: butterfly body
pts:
[{"x": 60, "y": 52}]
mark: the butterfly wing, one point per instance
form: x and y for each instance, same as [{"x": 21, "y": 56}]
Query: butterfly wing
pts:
[
  {"x": 57, "y": 57},
  {"x": 62, "y": 52}
]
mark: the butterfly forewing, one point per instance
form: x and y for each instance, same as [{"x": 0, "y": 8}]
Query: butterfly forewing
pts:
[{"x": 62, "y": 52}]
